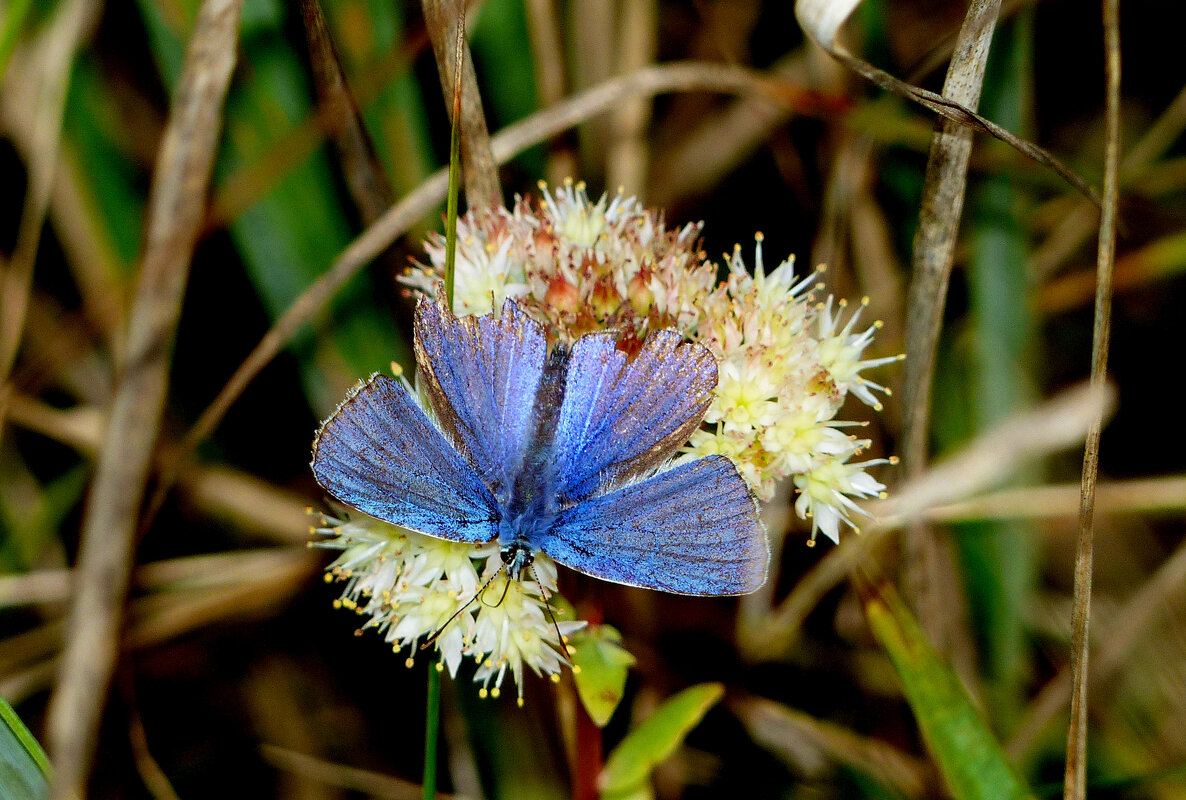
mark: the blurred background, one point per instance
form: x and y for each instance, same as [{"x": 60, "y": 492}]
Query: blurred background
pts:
[{"x": 238, "y": 677}]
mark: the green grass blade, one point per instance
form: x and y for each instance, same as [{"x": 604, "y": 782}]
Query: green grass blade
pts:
[
  {"x": 24, "y": 769},
  {"x": 969, "y": 756}
]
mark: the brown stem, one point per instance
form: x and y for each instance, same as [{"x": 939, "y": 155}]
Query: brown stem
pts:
[
  {"x": 1075, "y": 776},
  {"x": 176, "y": 205},
  {"x": 482, "y": 189},
  {"x": 934, "y": 248}
]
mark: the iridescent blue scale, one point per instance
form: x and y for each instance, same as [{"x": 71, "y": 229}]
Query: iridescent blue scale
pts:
[{"x": 563, "y": 451}]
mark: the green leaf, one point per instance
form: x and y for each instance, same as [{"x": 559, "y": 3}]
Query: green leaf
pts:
[
  {"x": 627, "y": 770},
  {"x": 24, "y": 769},
  {"x": 969, "y": 756},
  {"x": 600, "y": 664}
]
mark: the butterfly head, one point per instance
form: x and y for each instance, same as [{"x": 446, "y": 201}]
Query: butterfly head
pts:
[{"x": 517, "y": 556}]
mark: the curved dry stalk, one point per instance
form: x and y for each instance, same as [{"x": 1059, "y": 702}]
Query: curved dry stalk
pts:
[
  {"x": 1111, "y": 652},
  {"x": 189, "y": 572},
  {"x": 1080, "y": 220},
  {"x": 360, "y": 164},
  {"x": 1140, "y": 496},
  {"x": 788, "y": 733},
  {"x": 443, "y": 19},
  {"x": 1055, "y": 425},
  {"x": 721, "y": 139},
  {"x": 821, "y": 19},
  {"x": 514, "y": 139},
  {"x": 1075, "y": 776},
  {"x": 628, "y": 153},
  {"x": 924, "y": 567},
  {"x": 166, "y": 615},
  {"x": 176, "y": 205},
  {"x": 365, "y": 781},
  {"x": 547, "y": 54},
  {"x": 39, "y": 109},
  {"x": 222, "y": 492}
]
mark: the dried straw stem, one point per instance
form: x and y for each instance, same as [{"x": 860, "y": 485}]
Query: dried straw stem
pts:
[
  {"x": 934, "y": 249},
  {"x": 1075, "y": 776},
  {"x": 176, "y": 205},
  {"x": 442, "y": 17}
]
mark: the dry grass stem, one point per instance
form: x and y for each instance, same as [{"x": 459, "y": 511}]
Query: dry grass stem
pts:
[
  {"x": 176, "y": 205},
  {"x": 822, "y": 19},
  {"x": 1080, "y": 221},
  {"x": 547, "y": 53},
  {"x": 723, "y": 139},
  {"x": 924, "y": 564},
  {"x": 223, "y": 492},
  {"x": 221, "y": 569},
  {"x": 479, "y": 167},
  {"x": 360, "y": 164},
  {"x": 1055, "y": 425},
  {"x": 369, "y": 783},
  {"x": 1111, "y": 653},
  {"x": 1150, "y": 495},
  {"x": 28, "y": 662},
  {"x": 628, "y": 155},
  {"x": 36, "y": 105},
  {"x": 1075, "y": 776},
  {"x": 789, "y": 733}
]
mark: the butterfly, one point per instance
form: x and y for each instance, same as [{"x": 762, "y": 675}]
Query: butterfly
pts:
[{"x": 563, "y": 450}]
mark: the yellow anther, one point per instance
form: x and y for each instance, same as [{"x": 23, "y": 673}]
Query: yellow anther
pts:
[{"x": 410, "y": 662}]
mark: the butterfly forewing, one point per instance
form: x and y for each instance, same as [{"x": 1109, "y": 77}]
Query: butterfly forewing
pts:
[
  {"x": 620, "y": 420},
  {"x": 693, "y": 529},
  {"x": 481, "y": 375},
  {"x": 381, "y": 454}
]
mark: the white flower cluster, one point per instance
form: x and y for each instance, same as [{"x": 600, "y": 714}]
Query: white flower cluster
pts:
[
  {"x": 412, "y": 587},
  {"x": 787, "y": 360}
]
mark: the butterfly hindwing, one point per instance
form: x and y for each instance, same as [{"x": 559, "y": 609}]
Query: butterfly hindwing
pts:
[
  {"x": 381, "y": 454},
  {"x": 693, "y": 529},
  {"x": 620, "y": 419},
  {"x": 481, "y": 375}
]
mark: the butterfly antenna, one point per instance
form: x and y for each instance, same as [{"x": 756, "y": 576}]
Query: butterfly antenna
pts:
[
  {"x": 437, "y": 633},
  {"x": 551, "y": 614},
  {"x": 506, "y": 587}
]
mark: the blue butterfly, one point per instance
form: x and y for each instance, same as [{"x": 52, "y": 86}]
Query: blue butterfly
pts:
[{"x": 561, "y": 451}]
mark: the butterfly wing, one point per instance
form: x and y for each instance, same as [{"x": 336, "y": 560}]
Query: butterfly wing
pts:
[
  {"x": 481, "y": 376},
  {"x": 619, "y": 420},
  {"x": 381, "y": 454},
  {"x": 693, "y": 529}
]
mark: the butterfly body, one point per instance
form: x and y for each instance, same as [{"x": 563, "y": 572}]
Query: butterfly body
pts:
[{"x": 561, "y": 451}]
